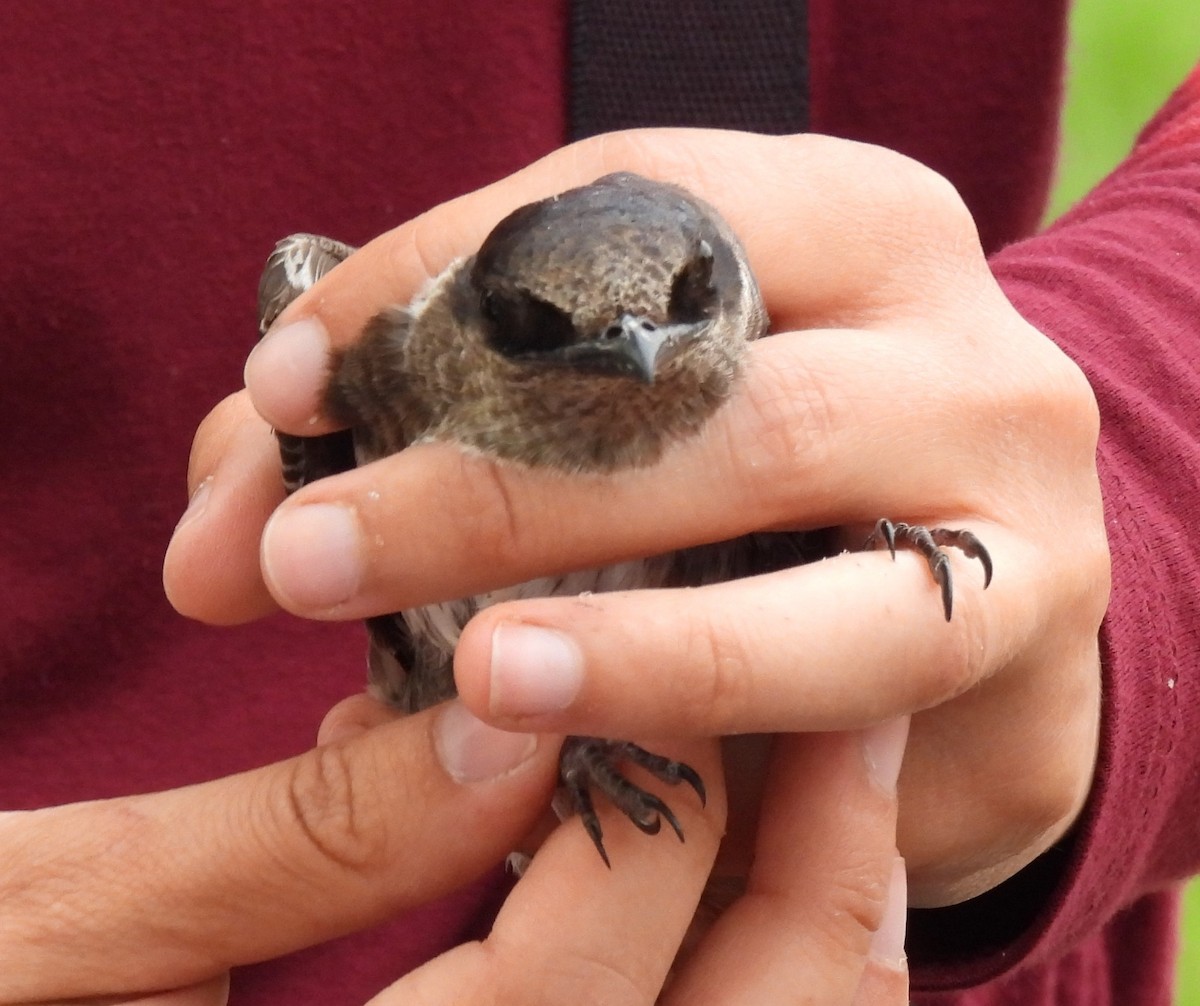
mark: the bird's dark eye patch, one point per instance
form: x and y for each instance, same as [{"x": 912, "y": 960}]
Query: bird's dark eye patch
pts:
[
  {"x": 519, "y": 323},
  {"x": 693, "y": 295}
]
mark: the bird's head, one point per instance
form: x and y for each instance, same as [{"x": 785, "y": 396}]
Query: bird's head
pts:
[
  {"x": 622, "y": 307},
  {"x": 620, "y": 277}
]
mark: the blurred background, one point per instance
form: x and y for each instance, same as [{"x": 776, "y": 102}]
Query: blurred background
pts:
[{"x": 1126, "y": 57}]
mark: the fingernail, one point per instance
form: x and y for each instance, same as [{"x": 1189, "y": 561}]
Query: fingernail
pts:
[
  {"x": 286, "y": 371},
  {"x": 472, "y": 751},
  {"x": 883, "y": 746},
  {"x": 311, "y": 556},
  {"x": 887, "y": 942},
  {"x": 197, "y": 503},
  {"x": 534, "y": 670}
]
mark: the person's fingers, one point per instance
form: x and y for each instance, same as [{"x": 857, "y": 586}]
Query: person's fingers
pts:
[
  {"x": 234, "y": 483},
  {"x": 814, "y": 436},
  {"x": 822, "y": 220},
  {"x": 149, "y": 892},
  {"x": 835, "y": 645},
  {"x": 573, "y": 931},
  {"x": 1018, "y": 784},
  {"x": 829, "y": 426},
  {"x": 214, "y": 992},
  {"x": 817, "y": 893},
  {"x": 353, "y": 715},
  {"x": 885, "y": 977},
  {"x": 723, "y": 659}
]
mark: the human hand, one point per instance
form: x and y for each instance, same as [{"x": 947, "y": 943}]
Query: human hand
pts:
[
  {"x": 153, "y": 898},
  {"x": 823, "y": 910},
  {"x": 899, "y": 383}
]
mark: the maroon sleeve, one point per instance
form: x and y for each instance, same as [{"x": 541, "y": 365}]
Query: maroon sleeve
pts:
[
  {"x": 972, "y": 89},
  {"x": 1116, "y": 283}
]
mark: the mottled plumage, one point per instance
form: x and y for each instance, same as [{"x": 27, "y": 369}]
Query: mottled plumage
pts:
[{"x": 590, "y": 332}]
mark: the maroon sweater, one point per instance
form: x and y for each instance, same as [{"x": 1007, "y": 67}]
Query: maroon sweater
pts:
[{"x": 149, "y": 159}]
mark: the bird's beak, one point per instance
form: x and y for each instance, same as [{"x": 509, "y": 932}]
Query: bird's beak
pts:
[{"x": 634, "y": 347}]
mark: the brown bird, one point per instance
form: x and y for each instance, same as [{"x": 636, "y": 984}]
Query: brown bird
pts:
[{"x": 590, "y": 332}]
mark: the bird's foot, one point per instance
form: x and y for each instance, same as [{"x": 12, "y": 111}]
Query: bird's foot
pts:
[
  {"x": 588, "y": 763},
  {"x": 929, "y": 541}
]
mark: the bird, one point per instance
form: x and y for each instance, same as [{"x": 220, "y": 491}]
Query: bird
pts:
[{"x": 590, "y": 332}]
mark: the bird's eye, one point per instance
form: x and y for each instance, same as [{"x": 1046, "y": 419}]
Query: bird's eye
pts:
[
  {"x": 519, "y": 323},
  {"x": 693, "y": 296}
]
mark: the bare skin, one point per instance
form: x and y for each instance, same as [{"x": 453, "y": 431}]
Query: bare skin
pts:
[
  {"x": 900, "y": 382},
  {"x": 150, "y": 900}
]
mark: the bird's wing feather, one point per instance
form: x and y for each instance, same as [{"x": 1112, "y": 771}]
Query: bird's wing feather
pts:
[{"x": 297, "y": 262}]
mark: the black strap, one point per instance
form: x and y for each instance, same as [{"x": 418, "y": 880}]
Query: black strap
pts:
[{"x": 736, "y": 64}]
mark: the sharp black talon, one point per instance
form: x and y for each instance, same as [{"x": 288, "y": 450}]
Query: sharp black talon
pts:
[
  {"x": 666, "y": 769},
  {"x": 986, "y": 560},
  {"x": 587, "y": 814},
  {"x": 928, "y": 542},
  {"x": 647, "y": 817},
  {"x": 941, "y": 573},
  {"x": 593, "y": 762},
  {"x": 692, "y": 778},
  {"x": 885, "y": 531},
  {"x": 975, "y": 549},
  {"x": 969, "y": 545},
  {"x": 652, "y": 825},
  {"x": 673, "y": 821}
]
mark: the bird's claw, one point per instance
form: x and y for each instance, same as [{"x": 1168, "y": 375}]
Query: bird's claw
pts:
[
  {"x": 929, "y": 541},
  {"x": 588, "y": 763}
]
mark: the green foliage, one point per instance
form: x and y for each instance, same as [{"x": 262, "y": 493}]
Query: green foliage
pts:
[
  {"x": 1188, "y": 983},
  {"x": 1126, "y": 58}
]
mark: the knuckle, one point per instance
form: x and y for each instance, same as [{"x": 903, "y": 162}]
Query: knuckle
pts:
[
  {"x": 323, "y": 807},
  {"x": 586, "y": 979},
  {"x": 570, "y": 975},
  {"x": 1049, "y": 802},
  {"x": 1053, "y": 398},
  {"x": 1050, "y": 398},
  {"x": 488, "y": 517},
  {"x": 948, "y": 678},
  {"x": 852, "y": 900},
  {"x": 942, "y": 205},
  {"x": 928, "y": 200},
  {"x": 963, "y": 656},
  {"x": 627, "y": 150},
  {"x": 926, "y": 243},
  {"x": 722, "y": 653},
  {"x": 783, "y": 425},
  {"x": 672, "y": 157},
  {"x": 857, "y": 893},
  {"x": 426, "y": 243},
  {"x": 1077, "y": 597},
  {"x": 1080, "y": 410},
  {"x": 912, "y": 198},
  {"x": 600, "y": 981},
  {"x": 973, "y": 650}
]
